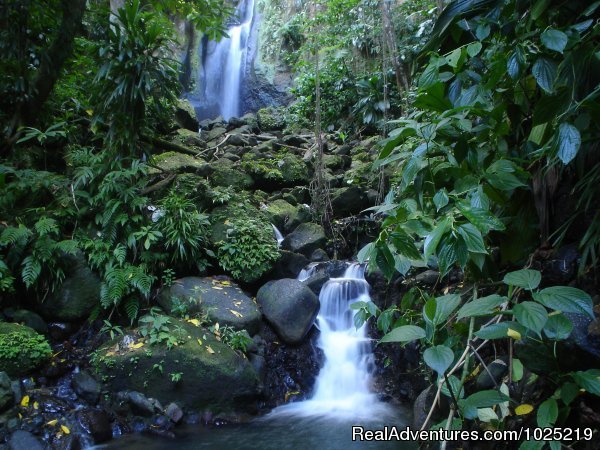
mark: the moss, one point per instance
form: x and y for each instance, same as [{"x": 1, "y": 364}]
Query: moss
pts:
[
  {"x": 226, "y": 175},
  {"x": 22, "y": 349},
  {"x": 271, "y": 118},
  {"x": 177, "y": 162},
  {"x": 284, "y": 170}
]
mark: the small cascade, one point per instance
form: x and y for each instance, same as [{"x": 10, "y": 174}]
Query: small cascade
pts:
[
  {"x": 278, "y": 235},
  {"x": 307, "y": 272},
  {"x": 343, "y": 386},
  {"x": 223, "y": 68}
]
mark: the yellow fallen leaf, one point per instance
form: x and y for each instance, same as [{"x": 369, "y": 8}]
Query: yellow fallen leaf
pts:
[
  {"x": 238, "y": 303},
  {"x": 52, "y": 422},
  {"x": 89, "y": 112},
  {"x": 138, "y": 345},
  {"x": 199, "y": 341},
  {"x": 110, "y": 353},
  {"x": 36, "y": 405},
  {"x": 25, "y": 401},
  {"x": 209, "y": 349},
  {"x": 218, "y": 288},
  {"x": 65, "y": 429},
  {"x": 225, "y": 283},
  {"x": 194, "y": 322},
  {"x": 236, "y": 314},
  {"x": 513, "y": 334},
  {"x": 523, "y": 409}
]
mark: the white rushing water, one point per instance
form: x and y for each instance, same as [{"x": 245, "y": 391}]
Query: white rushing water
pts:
[
  {"x": 343, "y": 386},
  {"x": 225, "y": 64},
  {"x": 278, "y": 235}
]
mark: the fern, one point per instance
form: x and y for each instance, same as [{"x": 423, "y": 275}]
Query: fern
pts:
[
  {"x": 45, "y": 226},
  {"x": 15, "y": 235},
  {"x": 31, "y": 271},
  {"x": 132, "y": 308}
]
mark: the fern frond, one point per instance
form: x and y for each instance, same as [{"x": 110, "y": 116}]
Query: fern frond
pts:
[
  {"x": 31, "y": 271},
  {"x": 45, "y": 226},
  {"x": 132, "y": 308}
]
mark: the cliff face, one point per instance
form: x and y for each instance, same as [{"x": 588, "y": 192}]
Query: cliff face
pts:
[{"x": 268, "y": 75}]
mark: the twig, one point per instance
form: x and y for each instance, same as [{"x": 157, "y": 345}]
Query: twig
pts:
[{"x": 484, "y": 365}]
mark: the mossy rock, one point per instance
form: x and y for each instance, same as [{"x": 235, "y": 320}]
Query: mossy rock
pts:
[
  {"x": 222, "y": 301},
  {"x": 334, "y": 162},
  {"x": 22, "y": 350},
  {"x": 188, "y": 138},
  {"x": 178, "y": 162},
  {"x": 211, "y": 375},
  {"x": 185, "y": 115},
  {"x": 225, "y": 174},
  {"x": 78, "y": 294},
  {"x": 293, "y": 170},
  {"x": 305, "y": 239},
  {"x": 192, "y": 186},
  {"x": 285, "y": 216},
  {"x": 274, "y": 172},
  {"x": 271, "y": 119}
]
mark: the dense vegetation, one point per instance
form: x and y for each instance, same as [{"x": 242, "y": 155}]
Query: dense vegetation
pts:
[{"x": 487, "y": 121}]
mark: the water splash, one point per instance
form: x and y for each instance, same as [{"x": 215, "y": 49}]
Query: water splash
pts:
[{"x": 343, "y": 386}]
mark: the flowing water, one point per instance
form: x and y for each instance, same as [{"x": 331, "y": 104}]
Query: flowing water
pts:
[
  {"x": 224, "y": 65},
  {"x": 343, "y": 394},
  {"x": 278, "y": 235}
]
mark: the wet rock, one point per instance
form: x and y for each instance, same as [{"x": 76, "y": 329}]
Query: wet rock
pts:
[
  {"x": 7, "y": 397},
  {"x": 223, "y": 301},
  {"x": 24, "y": 440},
  {"x": 497, "y": 369},
  {"x": 211, "y": 374},
  {"x": 285, "y": 216},
  {"x": 428, "y": 277},
  {"x": 289, "y": 265},
  {"x": 59, "y": 331},
  {"x": 294, "y": 140},
  {"x": 319, "y": 255},
  {"x": 96, "y": 423},
  {"x": 185, "y": 115},
  {"x": 305, "y": 239},
  {"x": 68, "y": 442},
  {"x": 28, "y": 318},
  {"x": 348, "y": 201},
  {"x": 316, "y": 281},
  {"x": 78, "y": 294},
  {"x": 187, "y": 138},
  {"x": 174, "y": 412},
  {"x": 422, "y": 406},
  {"x": 290, "y": 306},
  {"x": 86, "y": 387},
  {"x": 139, "y": 403},
  {"x": 225, "y": 174}
]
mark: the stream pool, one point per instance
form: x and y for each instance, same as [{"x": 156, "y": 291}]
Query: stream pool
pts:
[{"x": 270, "y": 433}]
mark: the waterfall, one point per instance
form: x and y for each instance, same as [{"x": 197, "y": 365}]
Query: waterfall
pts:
[
  {"x": 224, "y": 66},
  {"x": 278, "y": 235},
  {"x": 343, "y": 386}
]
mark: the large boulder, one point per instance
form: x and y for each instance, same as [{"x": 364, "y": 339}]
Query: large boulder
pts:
[
  {"x": 24, "y": 440},
  {"x": 290, "y": 307},
  {"x": 21, "y": 349},
  {"x": 305, "y": 239},
  {"x": 289, "y": 265},
  {"x": 77, "y": 296},
  {"x": 285, "y": 216},
  {"x": 185, "y": 115},
  {"x": 348, "y": 201},
  {"x": 25, "y": 317},
  {"x": 271, "y": 119},
  {"x": 199, "y": 372},
  {"x": 225, "y": 174},
  {"x": 7, "y": 397},
  {"x": 178, "y": 162},
  {"x": 221, "y": 301}
]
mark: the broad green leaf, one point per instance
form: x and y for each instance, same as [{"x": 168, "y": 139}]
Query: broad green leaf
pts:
[
  {"x": 454, "y": 383},
  {"x": 472, "y": 237},
  {"x": 554, "y": 40},
  {"x": 404, "y": 244},
  {"x": 405, "y": 333},
  {"x": 454, "y": 57},
  {"x": 500, "y": 330},
  {"x": 438, "y": 358},
  {"x": 484, "y": 220},
  {"x": 565, "y": 299},
  {"x": 568, "y": 392},
  {"x": 569, "y": 141},
  {"x": 538, "y": 8},
  {"x": 447, "y": 256},
  {"x": 547, "y": 413},
  {"x": 589, "y": 380},
  {"x": 440, "y": 199},
  {"x": 366, "y": 252},
  {"x": 513, "y": 67},
  {"x": 481, "y": 306},
  {"x": 486, "y": 415},
  {"x": 531, "y": 315},
  {"x": 481, "y": 399},
  {"x": 438, "y": 309},
  {"x": 525, "y": 278},
  {"x": 544, "y": 72},
  {"x": 517, "y": 370},
  {"x": 558, "y": 327},
  {"x": 385, "y": 260},
  {"x": 473, "y": 49},
  {"x": 504, "y": 181},
  {"x": 433, "y": 239}
]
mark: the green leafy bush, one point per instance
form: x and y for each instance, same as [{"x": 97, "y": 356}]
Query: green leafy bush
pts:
[
  {"x": 249, "y": 249},
  {"x": 21, "y": 349}
]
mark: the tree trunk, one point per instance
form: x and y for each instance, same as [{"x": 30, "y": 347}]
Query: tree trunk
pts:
[{"x": 52, "y": 62}]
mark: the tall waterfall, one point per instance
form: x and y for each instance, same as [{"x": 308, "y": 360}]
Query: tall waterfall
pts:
[
  {"x": 224, "y": 66},
  {"x": 343, "y": 386}
]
